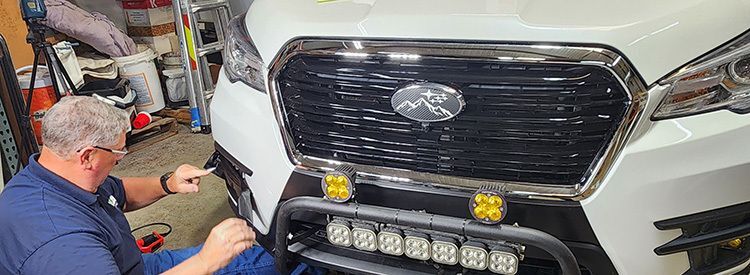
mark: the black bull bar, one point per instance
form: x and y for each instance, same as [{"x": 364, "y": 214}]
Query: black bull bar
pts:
[{"x": 465, "y": 227}]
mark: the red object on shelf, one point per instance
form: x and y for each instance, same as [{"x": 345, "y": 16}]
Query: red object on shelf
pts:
[
  {"x": 141, "y": 120},
  {"x": 136, "y": 4}
]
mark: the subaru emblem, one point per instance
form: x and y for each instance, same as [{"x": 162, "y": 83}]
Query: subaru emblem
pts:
[{"x": 427, "y": 102}]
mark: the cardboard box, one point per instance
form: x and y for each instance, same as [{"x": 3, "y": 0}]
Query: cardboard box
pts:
[
  {"x": 152, "y": 30},
  {"x": 148, "y": 13},
  {"x": 160, "y": 44}
]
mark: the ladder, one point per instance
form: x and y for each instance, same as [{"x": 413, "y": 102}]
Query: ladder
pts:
[{"x": 198, "y": 80}]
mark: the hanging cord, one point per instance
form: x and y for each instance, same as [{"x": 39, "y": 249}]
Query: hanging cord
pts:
[{"x": 169, "y": 228}]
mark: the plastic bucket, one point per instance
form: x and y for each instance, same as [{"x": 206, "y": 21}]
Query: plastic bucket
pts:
[
  {"x": 144, "y": 79},
  {"x": 172, "y": 61},
  {"x": 44, "y": 95},
  {"x": 175, "y": 82}
]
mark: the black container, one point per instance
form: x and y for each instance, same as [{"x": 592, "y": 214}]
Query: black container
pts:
[
  {"x": 106, "y": 87},
  {"x": 118, "y": 87}
]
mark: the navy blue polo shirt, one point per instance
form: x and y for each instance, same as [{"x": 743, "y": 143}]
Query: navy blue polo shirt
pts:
[{"x": 50, "y": 226}]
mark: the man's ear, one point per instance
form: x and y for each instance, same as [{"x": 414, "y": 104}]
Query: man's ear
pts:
[{"x": 85, "y": 158}]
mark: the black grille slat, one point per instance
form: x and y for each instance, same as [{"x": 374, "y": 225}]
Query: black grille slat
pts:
[
  {"x": 430, "y": 141},
  {"x": 510, "y": 158},
  {"x": 462, "y": 165},
  {"x": 524, "y": 122},
  {"x": 510, "y": 129},
  {"x": 321, "y": 105}
]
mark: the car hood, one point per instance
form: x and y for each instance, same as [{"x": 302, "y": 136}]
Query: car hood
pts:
[{"x": 657, "y": 37}]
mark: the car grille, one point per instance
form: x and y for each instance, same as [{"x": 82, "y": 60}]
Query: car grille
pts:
[{"x": 529, "y": 122}]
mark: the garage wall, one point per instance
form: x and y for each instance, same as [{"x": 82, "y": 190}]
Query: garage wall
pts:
[{"x": 14, "y": 30}]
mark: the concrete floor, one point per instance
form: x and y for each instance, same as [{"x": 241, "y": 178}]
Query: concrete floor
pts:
[{"x": 191, "y": 216}]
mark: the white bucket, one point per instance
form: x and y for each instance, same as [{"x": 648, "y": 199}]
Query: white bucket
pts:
[
  {"x": 144, "y": 79},
  {"x": 176, "y": 90},
  {"x": 43, "y": 79},
  {"x": 172, "y": 61}
]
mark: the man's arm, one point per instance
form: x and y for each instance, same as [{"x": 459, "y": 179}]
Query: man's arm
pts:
[{"x": 141, "y": 192}]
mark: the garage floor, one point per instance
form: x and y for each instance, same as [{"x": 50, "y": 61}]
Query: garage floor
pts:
[{"x": 191, "y": 216}]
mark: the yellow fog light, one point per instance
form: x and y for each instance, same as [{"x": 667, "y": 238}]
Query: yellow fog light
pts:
[
  {"x": 337, "y": 185},
  {"x": 488, "y": 206},
  {"x": 734, "y": 244}
]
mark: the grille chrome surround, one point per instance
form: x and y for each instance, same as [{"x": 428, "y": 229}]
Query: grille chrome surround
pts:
[{"x": 522, "y": 53}]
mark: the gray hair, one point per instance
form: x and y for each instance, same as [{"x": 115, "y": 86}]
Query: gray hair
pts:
[{"x": 80, "y": 121}]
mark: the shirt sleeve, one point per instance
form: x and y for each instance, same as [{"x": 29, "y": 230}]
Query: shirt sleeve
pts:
[
  {"x": 78, "y": 253},
  {"x": 117, "y": 189}
]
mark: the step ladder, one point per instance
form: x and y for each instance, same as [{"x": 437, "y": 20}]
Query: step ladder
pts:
[{"x": 198, "y": 80}]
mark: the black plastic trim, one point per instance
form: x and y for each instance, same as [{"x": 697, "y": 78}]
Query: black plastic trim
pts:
[
  {"x": 703, "y": 217},
  {"x": 684, "y": 243},
  {"x": 703, "y": 237},
  {"x": 563, "y": 219},
  {"x": 689, "y": 241}
]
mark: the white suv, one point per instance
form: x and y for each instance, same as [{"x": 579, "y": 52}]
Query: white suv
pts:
[{"x": 610, "y": 137}]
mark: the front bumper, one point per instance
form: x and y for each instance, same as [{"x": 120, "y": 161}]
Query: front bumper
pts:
[
  {"x": 564, "y": 223},
  {"x": 463, "y": 227},
  {"x": 668, "y": 169}
]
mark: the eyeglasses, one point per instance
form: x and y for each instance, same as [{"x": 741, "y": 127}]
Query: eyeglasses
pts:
[{"x": 122, "y": 152}]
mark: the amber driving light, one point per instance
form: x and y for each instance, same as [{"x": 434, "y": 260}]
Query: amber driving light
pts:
[
  {"x": 338, "y": 185},
  {"x": 488, "y": 206}
]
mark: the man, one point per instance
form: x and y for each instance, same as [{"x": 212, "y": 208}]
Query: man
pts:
[{"x": 63, "y": 213}]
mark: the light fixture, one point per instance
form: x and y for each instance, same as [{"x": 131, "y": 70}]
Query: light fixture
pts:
[
  {"x": 364, "y": 238},
  {"x": 503, "y": 260},
  {"x": 338, "y": 184},
  {"x": 488, "y": 206},
  {"x": 734, "y": 244},
  {"x": 473, "y": 255},
  {"x": 417, "y": 246},
  {"x": 338, "y": 233},
  {"x": 390, "y": 241},
  {"x": 444, "y": 251}
]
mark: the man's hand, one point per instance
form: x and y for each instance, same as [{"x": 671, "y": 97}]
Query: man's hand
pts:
[
  {"x": 186, "y": 179},
  {"x": 225, "y": 242}
]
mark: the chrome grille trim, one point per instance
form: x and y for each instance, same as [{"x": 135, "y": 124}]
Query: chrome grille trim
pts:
[{"x": 526, "y": 53}]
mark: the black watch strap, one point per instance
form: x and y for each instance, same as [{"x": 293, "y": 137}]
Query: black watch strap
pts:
[{"x": 163, "y": 181}]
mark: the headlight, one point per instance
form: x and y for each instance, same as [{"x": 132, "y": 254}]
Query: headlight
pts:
[
  {"x": 241, "y": 59},
  {"x": 719, "y": 80}
]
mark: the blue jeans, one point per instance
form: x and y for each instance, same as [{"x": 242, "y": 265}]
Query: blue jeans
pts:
[{"x": 253, "y": 261}]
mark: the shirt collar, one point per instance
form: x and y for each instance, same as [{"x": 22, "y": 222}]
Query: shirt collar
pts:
[{"x": 59, "y": 183}]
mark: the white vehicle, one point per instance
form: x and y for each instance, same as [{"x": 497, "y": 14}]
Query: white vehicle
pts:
[{"x": 615, "y": 131}]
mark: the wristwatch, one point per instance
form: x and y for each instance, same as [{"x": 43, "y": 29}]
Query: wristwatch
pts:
[{"x": 164, "y": 178}]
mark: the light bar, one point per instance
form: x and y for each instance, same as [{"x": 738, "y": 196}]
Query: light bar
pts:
[
  {"x": 364, "y": 239},
  {"x": 339, "y": 234},
  {"x": 391, "y": 243},
  {"x": 503, "y": 261},
  {"x": 417, "y": 246},
  {"x": 473, "y": 255},
  {"x": 444, "y": 252}
]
